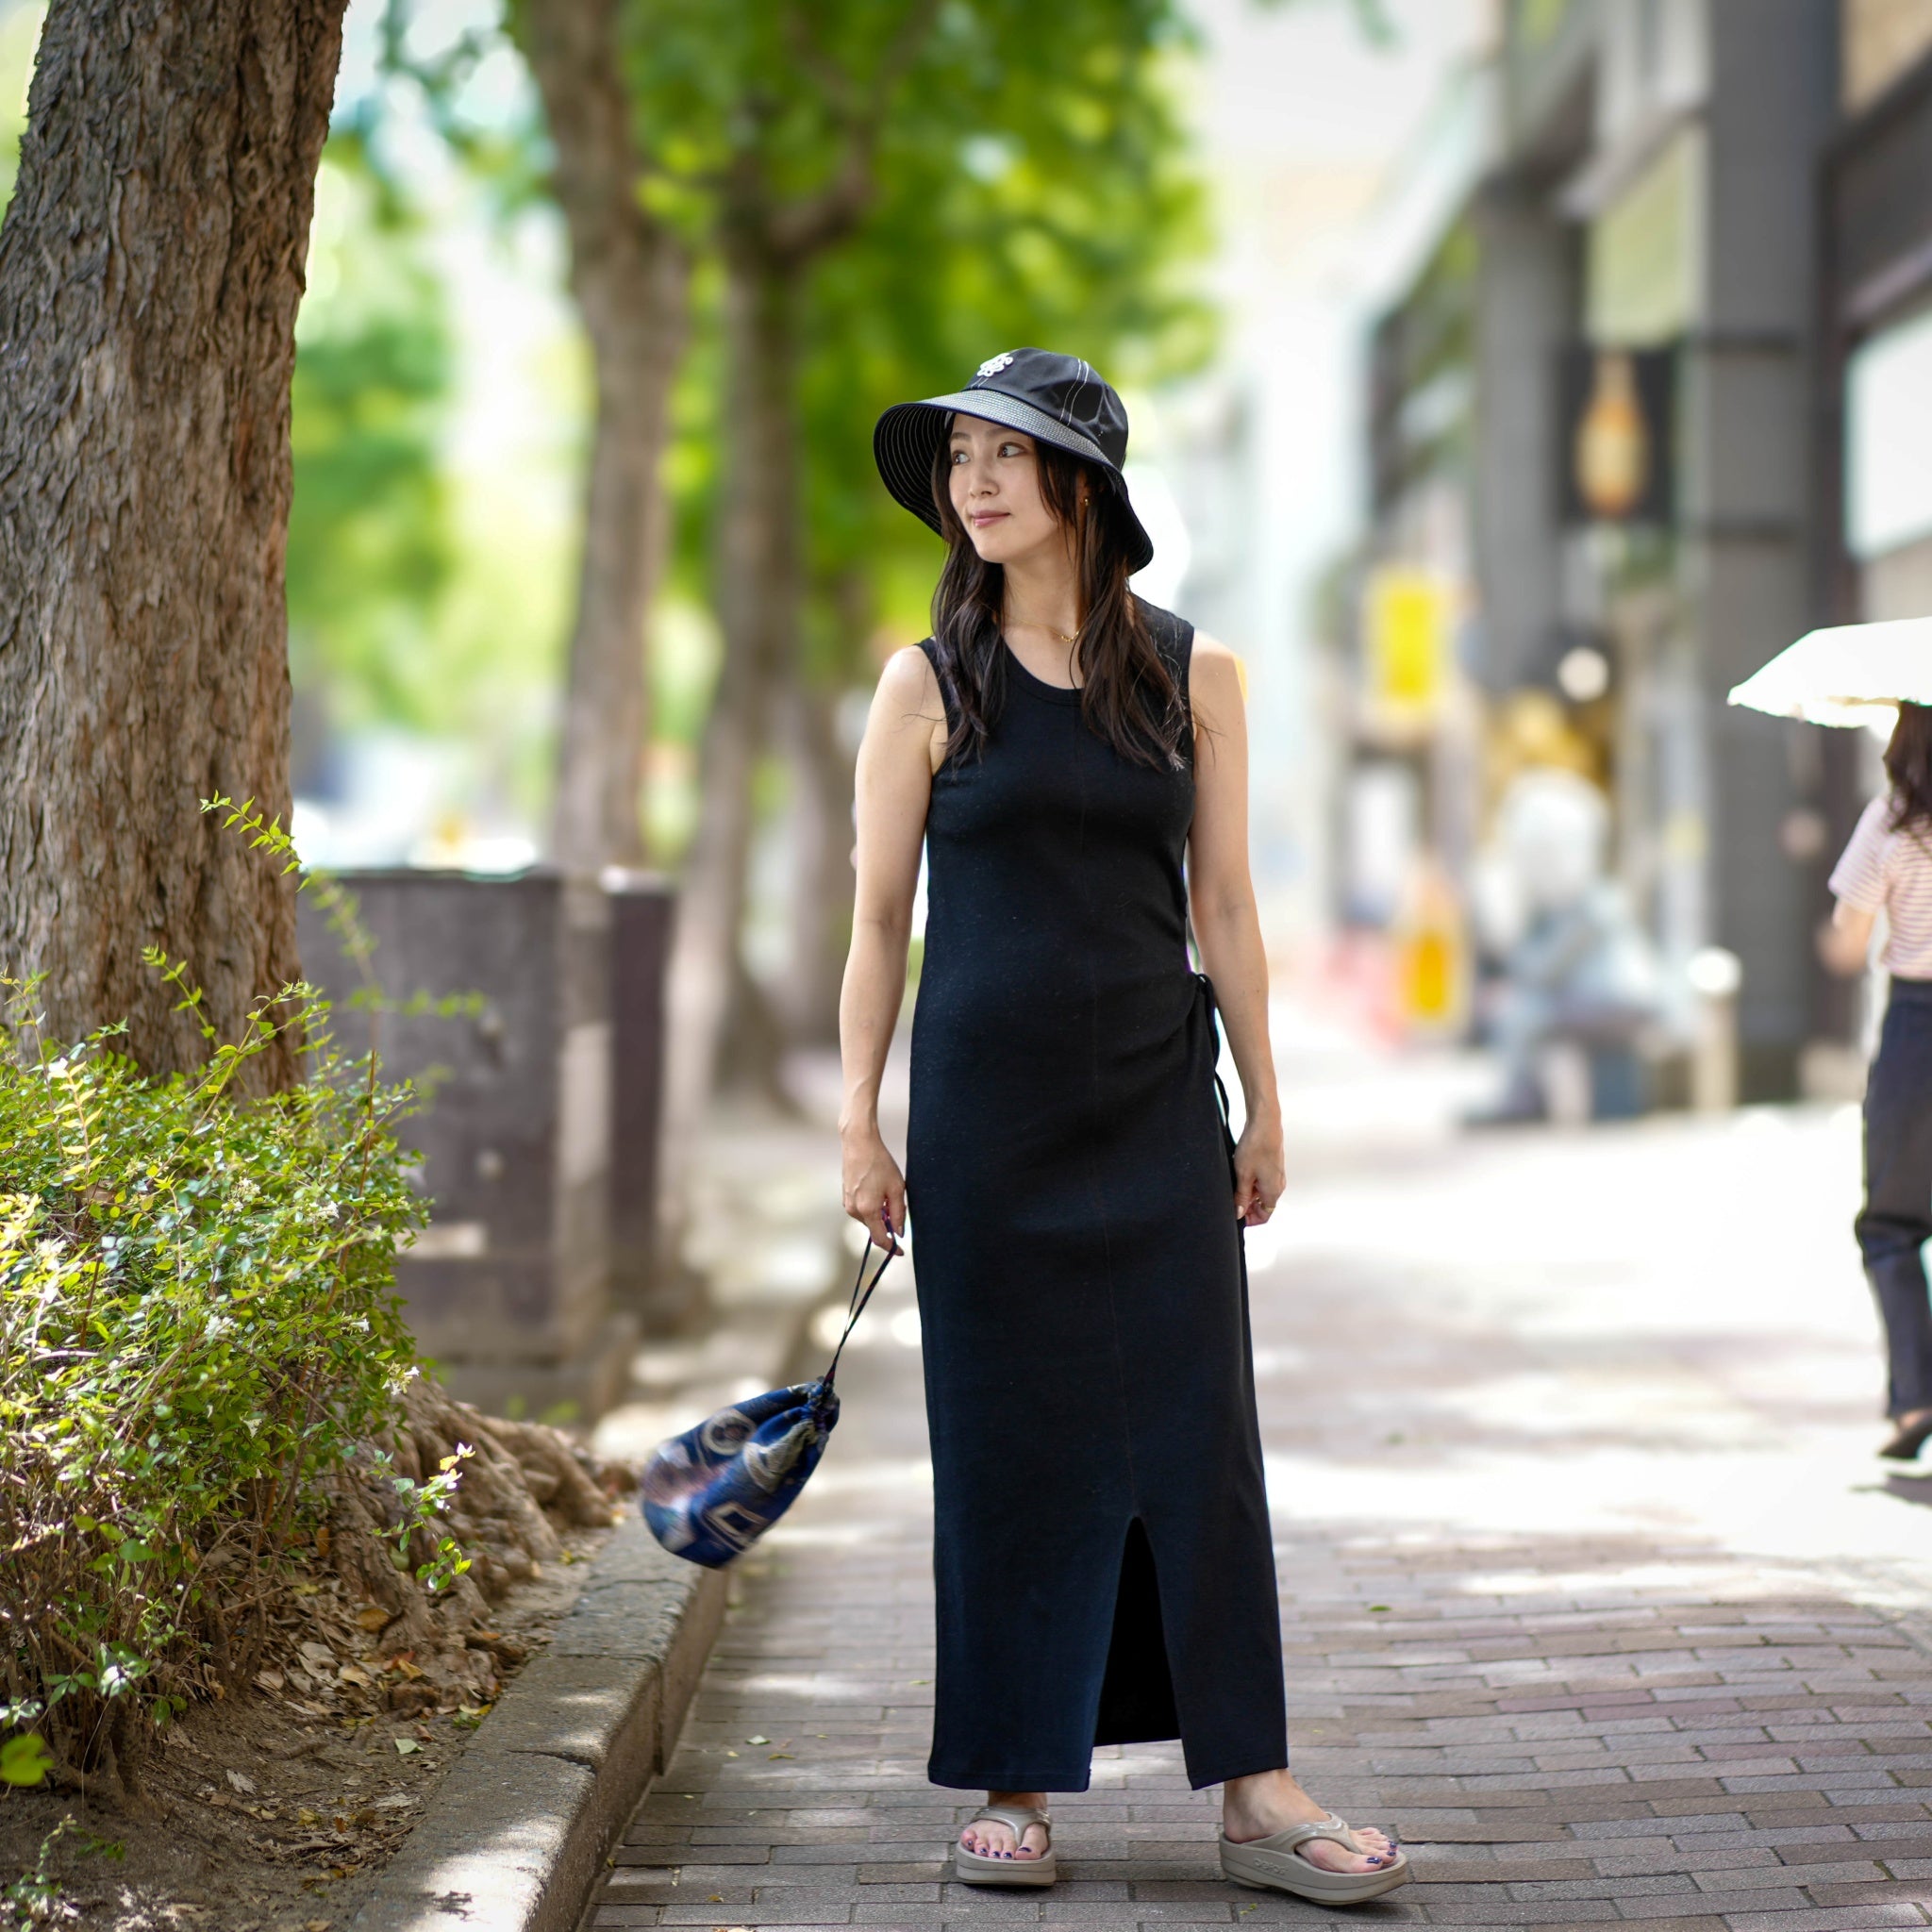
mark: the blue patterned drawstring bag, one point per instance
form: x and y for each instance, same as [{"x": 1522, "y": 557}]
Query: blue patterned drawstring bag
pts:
[{"x": 712, "y": 1492}]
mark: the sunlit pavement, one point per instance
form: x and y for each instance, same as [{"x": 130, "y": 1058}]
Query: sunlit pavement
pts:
[{"x": 1590, "y": 1586}]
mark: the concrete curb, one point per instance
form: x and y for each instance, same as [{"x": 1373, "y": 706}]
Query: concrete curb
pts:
[{"x": 514, "y": 1840}]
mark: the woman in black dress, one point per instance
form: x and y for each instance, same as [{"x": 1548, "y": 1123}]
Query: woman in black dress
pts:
[{"x": 1102, "y": 1553}]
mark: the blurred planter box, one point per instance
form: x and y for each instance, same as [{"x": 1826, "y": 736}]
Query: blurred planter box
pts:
[{"x": 510, "y": 1288}]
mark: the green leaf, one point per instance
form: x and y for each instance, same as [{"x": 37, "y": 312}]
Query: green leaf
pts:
[{"x": 24, "y": 1759}]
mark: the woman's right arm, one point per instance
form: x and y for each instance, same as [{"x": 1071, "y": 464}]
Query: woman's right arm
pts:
[
  {"x": 1846, "y": 942},
  {"x": 893, "y": 787},
  {"x": 1858, "y": 884}
]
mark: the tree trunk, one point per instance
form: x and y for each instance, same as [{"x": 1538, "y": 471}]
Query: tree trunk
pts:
[
  {"x": 757, "y": 605},
  {"x": 150, "y": 268},
  {"x": 822, "y": 836},
  {"x": 629, "y": 275}
]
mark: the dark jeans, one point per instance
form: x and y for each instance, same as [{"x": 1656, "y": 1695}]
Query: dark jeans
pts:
[{"x": 1897, "y": 1218}]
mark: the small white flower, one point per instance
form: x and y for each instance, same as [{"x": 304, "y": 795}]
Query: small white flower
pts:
[{"x": 992, "y": 366}]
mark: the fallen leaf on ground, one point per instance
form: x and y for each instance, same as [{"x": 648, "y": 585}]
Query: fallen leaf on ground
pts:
[
  {"x": 759, "y": 1740},
  {"x": 242, "y": 1782},
  {"x": 317, "y": 1653},
  {"x": 354, "y": 1674},
  {"x": 769, "y": 1754},
  {"x": 270, "y": 1680},
  {"x": 372, "y": 1617},
  {"x": 406, "y": 1746}
]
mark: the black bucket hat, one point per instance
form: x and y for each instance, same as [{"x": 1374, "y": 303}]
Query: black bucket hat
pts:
[{"x": 1056, "y": 399}]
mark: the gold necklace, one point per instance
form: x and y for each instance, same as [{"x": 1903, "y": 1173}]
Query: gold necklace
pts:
[{"x": 1066, "y": 636}]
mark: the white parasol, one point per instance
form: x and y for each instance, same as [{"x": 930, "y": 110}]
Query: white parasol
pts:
[{"x": 1850, "y": 674}]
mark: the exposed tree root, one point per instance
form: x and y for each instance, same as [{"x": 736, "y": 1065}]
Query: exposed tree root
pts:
[{"x": 523, "y": 1483}]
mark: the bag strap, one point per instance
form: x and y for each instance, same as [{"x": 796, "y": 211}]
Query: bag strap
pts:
[
  {"x": 861, "y": 1294},
  {"x": 1206, "y": 988}
]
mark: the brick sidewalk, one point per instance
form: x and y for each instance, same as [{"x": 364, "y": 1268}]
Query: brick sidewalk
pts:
[{"x": 1573, "y": 1530}]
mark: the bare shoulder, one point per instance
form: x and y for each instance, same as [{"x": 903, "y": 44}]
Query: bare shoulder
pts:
[
  {"x": 907, "y": 694},
  {"x": 907, "y": 682},
  {"x": 908, "y": 715},
  {"x": 1215, "y": 682},
  {"x": 1210, "y": 651}
]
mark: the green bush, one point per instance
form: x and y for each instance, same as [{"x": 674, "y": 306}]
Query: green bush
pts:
[{"x": 198, "y": 1322}]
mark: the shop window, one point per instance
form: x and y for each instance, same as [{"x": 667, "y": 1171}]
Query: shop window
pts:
[
  {"x": 1888, "y": 439},
  {"x": 1881, "y": 39}
]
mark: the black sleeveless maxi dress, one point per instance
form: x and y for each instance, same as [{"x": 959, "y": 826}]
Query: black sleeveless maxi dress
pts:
[{"x": 1102, "y": 1556}]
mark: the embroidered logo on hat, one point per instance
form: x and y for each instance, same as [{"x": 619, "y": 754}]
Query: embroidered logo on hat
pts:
[{"x": 992, "y": 366}]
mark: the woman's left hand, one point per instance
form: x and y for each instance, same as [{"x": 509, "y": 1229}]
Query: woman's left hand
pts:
[{"x": 1260, "y": 1172}]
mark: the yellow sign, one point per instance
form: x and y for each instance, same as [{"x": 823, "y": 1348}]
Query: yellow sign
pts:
[
  {"x": 1408, "y": 641},
  {"x": 1432, "y": 953}
]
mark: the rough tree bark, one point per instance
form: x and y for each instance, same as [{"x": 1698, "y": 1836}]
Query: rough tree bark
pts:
[
  {"x": 150, "y": 268},
  {"x": 629, "y": 275}
]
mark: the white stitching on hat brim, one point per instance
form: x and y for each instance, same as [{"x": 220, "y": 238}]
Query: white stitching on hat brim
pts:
[{"x": 1011, "y": 413}]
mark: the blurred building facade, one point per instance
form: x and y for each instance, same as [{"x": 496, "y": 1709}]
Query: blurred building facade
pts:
[{"x": 1654, "y": 398}]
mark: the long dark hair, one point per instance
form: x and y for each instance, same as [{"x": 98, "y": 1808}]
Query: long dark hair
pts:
[
  {"x": 1909, "y": 765},
  {"x": 1127, "y": 694}
]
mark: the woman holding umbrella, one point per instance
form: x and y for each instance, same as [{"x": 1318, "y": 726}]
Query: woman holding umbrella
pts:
[
  {"x": 1887, "y": 868},
  {"x": 1841, "y": 675}
]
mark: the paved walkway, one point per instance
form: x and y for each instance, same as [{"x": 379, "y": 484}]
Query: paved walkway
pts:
[{"x": 1587, "y": 1587}]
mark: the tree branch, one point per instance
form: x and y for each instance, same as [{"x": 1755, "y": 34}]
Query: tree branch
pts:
[{"x": 800, "y": 229}]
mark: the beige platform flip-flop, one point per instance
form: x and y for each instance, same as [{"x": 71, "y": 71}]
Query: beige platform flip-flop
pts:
[
  {"x": 975, "y": 1868},
  {"x": 1275, "y": 1864}
]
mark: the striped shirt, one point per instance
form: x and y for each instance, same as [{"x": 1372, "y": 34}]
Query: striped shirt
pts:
[{"x": 1889, "y": 871}]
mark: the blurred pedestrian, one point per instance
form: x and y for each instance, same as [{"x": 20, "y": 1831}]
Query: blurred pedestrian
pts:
[
  {"x": 1887, "y": 868},
  {"x": 1578, "y": 971},
  {"x": 1074, "y": 764}
]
